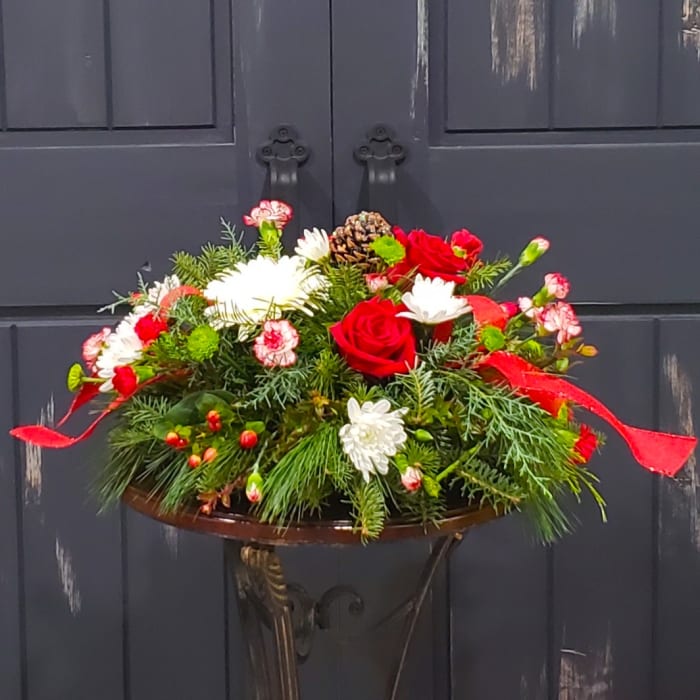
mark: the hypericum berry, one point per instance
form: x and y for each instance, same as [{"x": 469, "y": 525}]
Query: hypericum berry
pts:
[
  {"x": 215, "y": 426},
  {"x": 248, "y": 439},
  {"x": 213, "y": 415},
  {"x": 172, "y": 439},
  {"x": 182, "y": 442},
  {"x": 205, "y": 508},
  {"x": 209, "y": 454},
  {"x": 194, "y": 461}
]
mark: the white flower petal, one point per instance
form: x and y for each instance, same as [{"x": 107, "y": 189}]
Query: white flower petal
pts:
[{"x": 374, "y": 434}]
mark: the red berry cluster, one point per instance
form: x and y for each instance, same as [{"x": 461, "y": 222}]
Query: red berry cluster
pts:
[
  {"x": 209, "y": 455},
  {"x": 176, "y": 441},
  {"x": 214, "y": 421}
]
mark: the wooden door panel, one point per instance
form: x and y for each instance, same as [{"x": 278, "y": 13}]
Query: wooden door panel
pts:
[
  {"x": 603, "y": 577},
  {"x": 681, "y": 63},
  {"x": 119, "y": 143},
  {"x": 176, "y": 612},
  {"x": 605, "y": 62},
  {"x": 495, "y": 73},
  {"x": 163, "y": 61},
  {"x": 609, "y": 184},
  {"x": 677, "y": 612},
  {"x": 72, "y": 563},
  {"x": 500, "y": 619},
  {"x": 54, "y": 64},
  {"x": 11, "y": 623}
]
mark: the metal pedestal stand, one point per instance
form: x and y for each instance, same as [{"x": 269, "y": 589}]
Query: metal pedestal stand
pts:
[{"x": 279, "y": 619}]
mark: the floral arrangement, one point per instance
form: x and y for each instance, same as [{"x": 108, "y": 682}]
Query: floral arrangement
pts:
[{"x": 371, "y": 371}]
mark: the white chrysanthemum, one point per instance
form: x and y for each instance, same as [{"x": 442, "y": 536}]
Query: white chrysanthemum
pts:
[
  {"x": 314, "y": 245},
  {"x": 155, "y": 294},
  {"x": 432, "y": 301},
  {"x": 263, "y": 289},
  {"x": 373, "y": 434},
  {"x": 122, "y": 347}
]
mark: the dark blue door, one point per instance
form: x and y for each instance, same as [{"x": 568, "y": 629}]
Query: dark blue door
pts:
[
  {"x": 128, "y": 128},
  {"x": 577, "y": 120}
]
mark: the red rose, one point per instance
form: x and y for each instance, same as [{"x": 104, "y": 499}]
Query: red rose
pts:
[
  {"x": 428, "y": 255},
  {"x": 149, "y": 327},
  {"x": 374, "y": 341},
  {"x": 469, "y": 245},
  {"x": 125, "y": 380},
  {"x": 585, "y": 446}
]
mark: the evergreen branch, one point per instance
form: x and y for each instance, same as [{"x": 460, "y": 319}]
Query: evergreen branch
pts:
[
  {"x": 369, "y": 509},
  {"x": 483, "y": 275}
]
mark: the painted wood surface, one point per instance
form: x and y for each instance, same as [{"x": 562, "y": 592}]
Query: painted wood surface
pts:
[{"x": 521, "y": 117}]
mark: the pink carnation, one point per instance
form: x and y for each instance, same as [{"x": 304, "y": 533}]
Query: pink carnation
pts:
[
  {"x": 541, "y": 243},
  {"x": 528, "y": 308},
  {"x": 272, "y": 210},
  {"x": 274, "y": 347},
  {"x": 561, "y": 319},
  {"x": 92, "y": 347},
  {"x": 376, "y": 282},
  {"x": 557, "y": 285},
  {"x": 412, "y": 479}
]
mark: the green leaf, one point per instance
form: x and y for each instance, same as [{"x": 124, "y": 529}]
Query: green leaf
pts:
[
  {"x": 388, "y": 249},
  {"x": 257, "y": 426},
  {"x": 192, "y": 410}
]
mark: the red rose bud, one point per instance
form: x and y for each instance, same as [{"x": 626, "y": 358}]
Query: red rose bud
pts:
[
  {"x": 533, "y": 251},
  {"x": 149, "y": 327},
  {"x": 254, "y": 488},
  {"x": 585, "y": 446},
  {"x": 172, "y": 439},
  {"x": 466, "y": 245},
  {"x": 194, "y": 461},
  {"x": 210, "y": 454},
  {"x": 412, "y": 479},
  {"x": 248, "y": 439},
  {"x": 125, "y": 380}
]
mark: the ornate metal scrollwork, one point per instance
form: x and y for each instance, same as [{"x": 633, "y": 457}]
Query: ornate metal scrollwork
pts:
[{"x": 293, "y": 617}]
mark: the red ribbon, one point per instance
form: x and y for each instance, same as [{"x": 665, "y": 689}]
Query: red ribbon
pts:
[
  {"x": 42, "y": 436},
  {"x": 658, "y": 452}
]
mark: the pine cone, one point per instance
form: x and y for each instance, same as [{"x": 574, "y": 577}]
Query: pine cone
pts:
[{"x": 350, "y": 243}]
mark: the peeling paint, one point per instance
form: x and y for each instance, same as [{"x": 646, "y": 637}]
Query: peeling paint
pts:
[
  {"x": 590, "y": 12},
  {"x": 66, "y": 574},
  {"x": 518, "y": 39},
  {"x": 258, "y": 14},
  {"x": 420, "y": 74},
  {"x": 33, "y": 459},
  {"x": 172, "y": 539},
  {"x": 586, "y": 676},
  {"x": 689, "y": 35},
  {"x": 539, "y": 691},
  {"x": 682, "y": 392}
]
